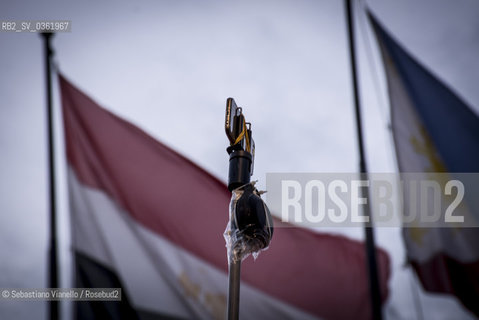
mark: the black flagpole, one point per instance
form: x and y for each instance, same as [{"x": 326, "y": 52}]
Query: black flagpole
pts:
[
  {"x": 368, "y": 228},
  {"x": 234, "y": 280},
  {"x": 53, "y": 256}
]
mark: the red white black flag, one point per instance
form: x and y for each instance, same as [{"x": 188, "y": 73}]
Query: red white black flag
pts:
[{"x": 148, "y": 220}]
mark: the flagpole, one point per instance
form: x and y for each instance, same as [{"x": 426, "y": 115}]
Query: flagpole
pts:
[
  {"x": 53, "y": 247},
  {"x": 234, "y": 277},
  {"x": 375, "y": 294}
]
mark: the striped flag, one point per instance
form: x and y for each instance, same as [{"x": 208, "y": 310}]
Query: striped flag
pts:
[
  {"x": 434, "y": 131},
  {"x": 148, "y": 220}
]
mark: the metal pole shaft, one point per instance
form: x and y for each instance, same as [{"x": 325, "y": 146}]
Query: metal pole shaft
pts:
[
  {"x": 53, "y": 258},
  {"x": 368, "y": 228},
  {"x": 234, "y": 277}
]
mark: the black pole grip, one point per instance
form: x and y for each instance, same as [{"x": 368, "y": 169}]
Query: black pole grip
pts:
[{"x": 240, "y": 169}]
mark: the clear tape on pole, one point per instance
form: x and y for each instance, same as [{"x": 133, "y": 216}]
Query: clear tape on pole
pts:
[{"x": 250, "y": 227}]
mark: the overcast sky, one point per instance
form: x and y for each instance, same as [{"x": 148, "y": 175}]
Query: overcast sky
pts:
[{"x": 168, "y": 67}]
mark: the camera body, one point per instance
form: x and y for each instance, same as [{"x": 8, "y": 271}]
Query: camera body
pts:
[{"x": 251, "y": 224}]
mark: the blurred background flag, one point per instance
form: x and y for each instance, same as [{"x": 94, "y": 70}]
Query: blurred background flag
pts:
[
  {"x": 148, "y": 220},
  {"x": 434, "y": 131}
]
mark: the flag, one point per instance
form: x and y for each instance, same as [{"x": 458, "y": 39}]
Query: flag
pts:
[
  {"x": 148, "y": 220},
  {"x": 434, "y": 131}
]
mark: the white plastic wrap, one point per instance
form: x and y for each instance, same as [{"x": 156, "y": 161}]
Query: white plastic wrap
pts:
[{"x": 249, "y": 229}]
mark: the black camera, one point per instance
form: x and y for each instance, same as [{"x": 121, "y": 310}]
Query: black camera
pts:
[{"x": 251, "y": 225}]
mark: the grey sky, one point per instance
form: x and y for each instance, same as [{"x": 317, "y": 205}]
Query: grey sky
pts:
[{"x": 168, "y": 67}]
